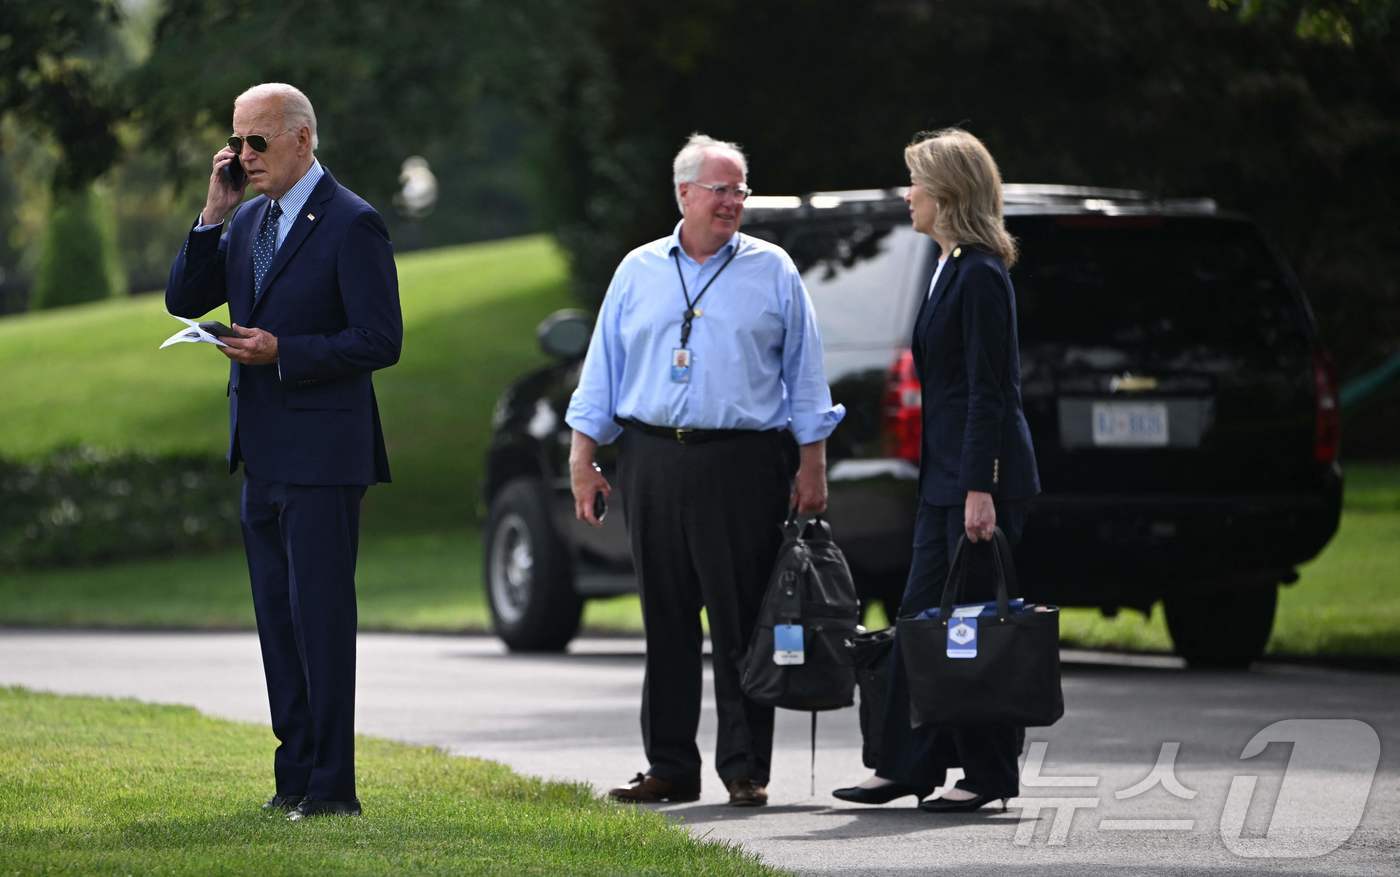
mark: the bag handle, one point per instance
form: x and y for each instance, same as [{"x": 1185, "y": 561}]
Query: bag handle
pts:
[
  {"x": 1003, "y": 566},
  {"x": 797, "y": 526}
]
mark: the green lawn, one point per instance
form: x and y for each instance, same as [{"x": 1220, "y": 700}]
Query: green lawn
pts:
[
  {"x": 405, "y": 582},
  {"x": 92, "y": 786},
  {"x": 469, "y": 315},
  {"x": 92, "y": 374},
  {"x": 432, "y": 582}
]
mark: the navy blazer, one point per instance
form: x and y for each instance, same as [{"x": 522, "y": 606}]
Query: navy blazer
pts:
[
  {"x": 331, "y": 297},
  {"x": 967, "y": 352}
]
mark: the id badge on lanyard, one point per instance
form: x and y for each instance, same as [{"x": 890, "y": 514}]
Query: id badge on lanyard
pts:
[
  {"x": 682, "y": 359},
  {"x": 680, "y": 366}
]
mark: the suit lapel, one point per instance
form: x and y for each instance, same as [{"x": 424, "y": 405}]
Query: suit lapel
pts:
[
  {"x": 950, "y": 269},
  {"x": 310, "y": 217}
]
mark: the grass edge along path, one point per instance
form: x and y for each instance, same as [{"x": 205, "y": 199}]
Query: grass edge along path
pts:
[
  {"x": 1346, "y": 604},
  {"x": 96, "y": 786}
]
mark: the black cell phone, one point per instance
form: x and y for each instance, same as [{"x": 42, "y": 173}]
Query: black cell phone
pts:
[
  {"x": 600, "y": 506},
  {"x": 233, "y": 173},
  {"x": 217, "y": 329}
]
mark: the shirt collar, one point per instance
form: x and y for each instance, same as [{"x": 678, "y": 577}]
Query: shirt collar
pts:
[
  {"x": 295, "y": 199},
  {"x": 673, "y": 243}
]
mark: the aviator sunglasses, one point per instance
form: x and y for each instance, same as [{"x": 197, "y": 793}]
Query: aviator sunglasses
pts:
[{"x": 257, "y": 141}]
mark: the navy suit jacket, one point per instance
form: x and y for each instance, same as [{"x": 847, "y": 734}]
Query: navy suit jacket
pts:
[
  {"x": 331, "y": 297},
  {"x": 967, "y": 352}
]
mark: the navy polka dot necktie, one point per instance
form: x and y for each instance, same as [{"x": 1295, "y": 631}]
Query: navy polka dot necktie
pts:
[{"x": 265, "y": 247}]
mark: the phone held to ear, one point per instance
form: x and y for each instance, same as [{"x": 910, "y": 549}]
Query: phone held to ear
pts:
[{"x": 233, "y": 174}]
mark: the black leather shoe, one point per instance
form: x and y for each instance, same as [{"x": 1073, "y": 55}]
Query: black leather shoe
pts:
[
  {"x": 282, "y": 803},
  {"x": 310, "y": 807},
  {"x": 882, "y": 795},
  {"x": 746, "y": 793},
  {"x": 944, "y": 805}
]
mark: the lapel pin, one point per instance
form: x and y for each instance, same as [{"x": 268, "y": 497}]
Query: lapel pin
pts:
[
  {"x": 957, "y": 252},
  {"x": 311, "y": 216}
]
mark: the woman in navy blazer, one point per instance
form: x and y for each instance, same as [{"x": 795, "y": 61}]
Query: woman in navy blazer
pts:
[{"x": 977, "y": 469}]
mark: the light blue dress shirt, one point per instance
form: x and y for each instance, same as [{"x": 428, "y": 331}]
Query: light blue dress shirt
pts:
[
  {"x": 295, "y": 199},
  {"x": 756, "y": 355}
]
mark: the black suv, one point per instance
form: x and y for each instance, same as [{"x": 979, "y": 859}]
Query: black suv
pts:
[{"x": 1184, "y": 415}]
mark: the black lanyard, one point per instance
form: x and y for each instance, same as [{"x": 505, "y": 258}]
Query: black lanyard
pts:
[{"x": 689, "y": 316}]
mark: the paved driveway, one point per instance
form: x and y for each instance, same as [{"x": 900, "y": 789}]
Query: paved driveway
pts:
[{"x": 575, "y": 717}]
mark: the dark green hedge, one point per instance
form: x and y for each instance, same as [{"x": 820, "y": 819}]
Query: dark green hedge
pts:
[
  {"x": 79, "y": 261},
  {"x": 80, "y": 506}
]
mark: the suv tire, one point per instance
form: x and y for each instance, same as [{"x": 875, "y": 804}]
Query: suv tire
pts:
[
  {"x": 1224, "y": 629},
  {"x": 527, "y": 572}
]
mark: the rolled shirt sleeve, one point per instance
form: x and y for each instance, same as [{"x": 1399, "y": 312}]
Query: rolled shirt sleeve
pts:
[
  {"x": 593, "y": 406},
  {"x": 813, "y": 416}
]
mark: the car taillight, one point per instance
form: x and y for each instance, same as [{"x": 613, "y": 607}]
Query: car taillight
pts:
[
  {"x": 1328, "y": 434},
  {"x": 904, "y": 410}
]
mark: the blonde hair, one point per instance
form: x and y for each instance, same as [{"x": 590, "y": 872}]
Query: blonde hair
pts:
[{"x": 957, "y": 170}]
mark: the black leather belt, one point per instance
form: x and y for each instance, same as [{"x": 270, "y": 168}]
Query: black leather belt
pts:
[{"x": 687, "y": 436}]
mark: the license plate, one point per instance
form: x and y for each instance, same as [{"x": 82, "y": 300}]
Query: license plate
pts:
[{"x": 1130, "y": 424}]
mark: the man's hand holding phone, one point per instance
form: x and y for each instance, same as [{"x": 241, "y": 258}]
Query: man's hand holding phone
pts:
[{"x": 226, "y": 184}]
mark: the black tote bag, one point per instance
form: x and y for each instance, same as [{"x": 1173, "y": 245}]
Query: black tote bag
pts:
[{"x": 1014, "y": 679}]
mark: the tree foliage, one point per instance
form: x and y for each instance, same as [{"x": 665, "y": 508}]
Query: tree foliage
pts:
[
  {"x": 51, "y": 74},
  {"x": 1170, "y": 97},
  {"x": 385, "y": 78},
  {"x": 1327, "y": 21}
]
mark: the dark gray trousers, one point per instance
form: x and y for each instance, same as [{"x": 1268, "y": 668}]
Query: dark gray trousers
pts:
[{"x": 705, "y": 526}]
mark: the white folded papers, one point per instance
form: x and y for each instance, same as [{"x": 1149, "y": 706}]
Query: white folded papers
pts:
[{"x": 191, "y": 334}]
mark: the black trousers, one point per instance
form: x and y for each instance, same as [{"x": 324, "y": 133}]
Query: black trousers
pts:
[
  {"x": 301, "y": 542},
  {"x": 919, "y": 757},
  {"x": 705, "y": 526}
]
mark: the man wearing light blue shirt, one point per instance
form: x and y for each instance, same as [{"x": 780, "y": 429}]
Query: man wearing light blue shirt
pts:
[{"x": 706, "y": 363}]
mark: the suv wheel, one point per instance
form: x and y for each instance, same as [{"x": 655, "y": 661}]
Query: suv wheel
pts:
[
  {"x": 1224, "y": 629},
  {"x": 529, "y": 585}
]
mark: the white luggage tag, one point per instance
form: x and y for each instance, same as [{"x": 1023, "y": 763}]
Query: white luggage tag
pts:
[
  {"x": 788, "y": 648},
  {"x": 962, "y": 638}
]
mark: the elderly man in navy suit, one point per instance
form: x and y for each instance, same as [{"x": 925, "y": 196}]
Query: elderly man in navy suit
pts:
[{"x": 307, "y": 271}]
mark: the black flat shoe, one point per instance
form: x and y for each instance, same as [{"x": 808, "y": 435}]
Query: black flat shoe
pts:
[
  {"x": 944, "y": 805},
  {"x": 281, "y": 803},
  {"x": 882, "y": 795}
]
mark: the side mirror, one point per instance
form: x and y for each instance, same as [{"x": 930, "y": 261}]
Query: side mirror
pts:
[{"x": 565, "y": 334}]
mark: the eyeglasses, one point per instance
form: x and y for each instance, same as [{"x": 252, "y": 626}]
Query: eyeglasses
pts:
[
  {"x": 722, "y": 192},
  {"x": 257, "y": 141}
]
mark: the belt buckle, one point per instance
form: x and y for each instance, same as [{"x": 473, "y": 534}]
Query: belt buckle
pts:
[{"x": 681, "y": 433}]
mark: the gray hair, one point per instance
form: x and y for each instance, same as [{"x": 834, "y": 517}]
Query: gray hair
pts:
[
  {"x": 297, "y": 112},
  {"x": 686, "y": 167}
]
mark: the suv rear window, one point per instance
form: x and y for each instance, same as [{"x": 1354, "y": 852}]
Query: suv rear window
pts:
[
  {"x": 858, "y": 272},
  {"x": 1161, "y": 282}
]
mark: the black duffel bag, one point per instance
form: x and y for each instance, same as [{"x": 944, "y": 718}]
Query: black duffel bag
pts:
[
  {"x": 872, "y": 654},
  {"x": 1002, "y": 668}
]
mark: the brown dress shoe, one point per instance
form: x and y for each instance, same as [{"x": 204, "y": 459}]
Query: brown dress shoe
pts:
[
  {"x": 647, "y": 789},
  {"x": 746, "y": 793}
]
